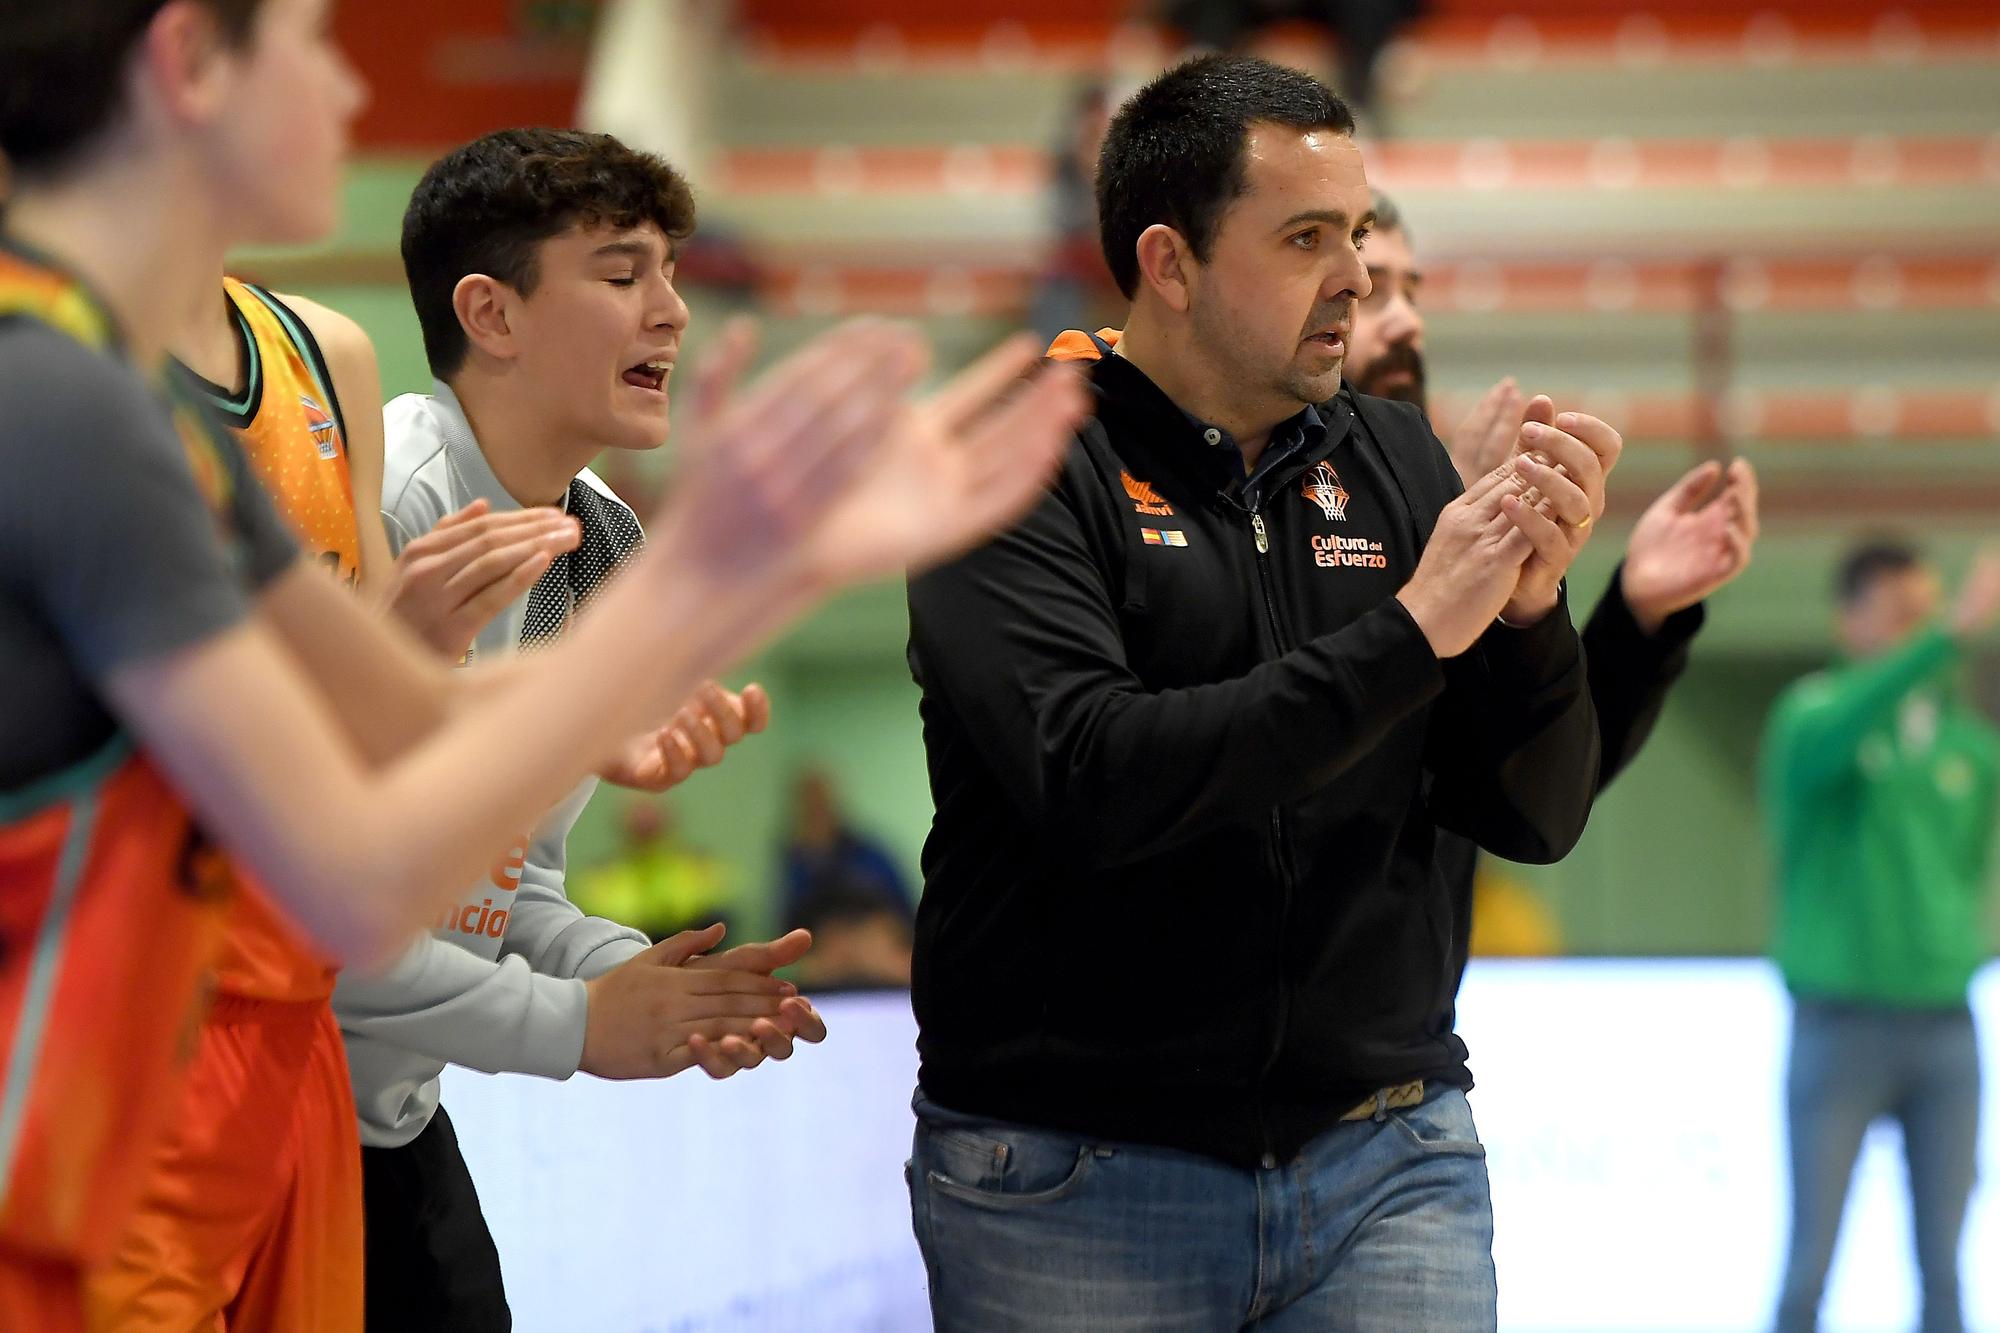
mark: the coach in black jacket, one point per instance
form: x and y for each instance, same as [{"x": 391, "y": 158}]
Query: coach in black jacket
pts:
[{"x": 1184, "y": 960}]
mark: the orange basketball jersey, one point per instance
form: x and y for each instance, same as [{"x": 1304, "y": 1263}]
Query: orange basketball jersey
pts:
[
  {"x": 292, "y": 428},
  {"x": 289, "y": 421}
]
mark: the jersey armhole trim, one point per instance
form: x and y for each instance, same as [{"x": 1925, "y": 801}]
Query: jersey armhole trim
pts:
[
  {"x": 315, "y": 359},
  {"x": 239, "y": 410}
]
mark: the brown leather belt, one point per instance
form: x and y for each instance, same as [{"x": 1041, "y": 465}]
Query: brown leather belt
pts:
[{"x": 1388, "y": 1099}]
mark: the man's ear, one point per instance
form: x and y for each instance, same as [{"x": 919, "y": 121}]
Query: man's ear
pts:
[
  {"x": 1166, "y": 263},
  {"x": 181, "y": 64},
  {"x": 485, "y": 307}
]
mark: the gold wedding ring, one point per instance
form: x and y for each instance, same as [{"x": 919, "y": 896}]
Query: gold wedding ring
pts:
[{"x": 1588, "y": 519}]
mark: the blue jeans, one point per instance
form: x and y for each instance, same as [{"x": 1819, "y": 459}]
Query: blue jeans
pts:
[
  {"x": 1382, "y": 1224},
  {"x": 1852, "y": 1064}
]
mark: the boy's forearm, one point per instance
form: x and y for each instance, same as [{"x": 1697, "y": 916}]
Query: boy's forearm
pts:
[
  {"x": 387, "y": 691},
  {"x": 442, "y": 1003},
  {"x": 385, "y": 841}
]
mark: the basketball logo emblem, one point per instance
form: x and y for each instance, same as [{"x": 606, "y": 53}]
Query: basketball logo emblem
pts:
[
  {"x": 320, "y": 422},
  {"x": 1322, "y": 487}
]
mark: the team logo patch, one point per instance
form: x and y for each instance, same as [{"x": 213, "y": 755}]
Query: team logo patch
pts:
[
  {"x": 1163, "y": 536},
  {"x": 320, "y": 422},
  {"x": 1322, "y": 486},
  {"x": 1145, "y": 499}
]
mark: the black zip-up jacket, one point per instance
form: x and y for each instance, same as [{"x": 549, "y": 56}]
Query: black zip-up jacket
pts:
[{"x": 1181, "y": 886}]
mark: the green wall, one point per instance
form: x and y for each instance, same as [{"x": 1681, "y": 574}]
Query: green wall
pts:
[{"x": 1673, "y": 861}]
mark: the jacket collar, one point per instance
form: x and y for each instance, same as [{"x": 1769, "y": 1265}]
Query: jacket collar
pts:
[{"x": 1140, "y": 419}]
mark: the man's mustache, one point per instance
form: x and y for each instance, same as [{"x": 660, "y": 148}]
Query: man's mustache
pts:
[{"x": 1340, "y": 312}]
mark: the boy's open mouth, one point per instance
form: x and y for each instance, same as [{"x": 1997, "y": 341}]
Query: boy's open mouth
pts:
[{"x": 649, "y": 375}]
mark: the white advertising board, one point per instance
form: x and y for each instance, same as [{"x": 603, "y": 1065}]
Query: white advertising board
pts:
[{"x": 1631, "y": 1110}]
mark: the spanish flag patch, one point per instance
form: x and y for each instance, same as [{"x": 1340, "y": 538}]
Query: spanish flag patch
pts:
[{"x": 1163, "y": 537}]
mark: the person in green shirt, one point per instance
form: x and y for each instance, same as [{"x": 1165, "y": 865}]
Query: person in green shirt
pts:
[
  {"x": 1879, "y": 782},
  {"x": 657, "y": 882}
]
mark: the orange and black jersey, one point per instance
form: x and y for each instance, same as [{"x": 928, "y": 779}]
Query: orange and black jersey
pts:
[{"x": 289, "y": 418}]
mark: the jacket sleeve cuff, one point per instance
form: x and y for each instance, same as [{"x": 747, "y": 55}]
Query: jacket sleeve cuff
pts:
[
  {"x": 1410, "y": 674},
  {"x": 551, "y": 1043},
  {"x": 1538, "y": 655},
  {"x": 614, "y": 952},
  {"x": 1614, "y": 621}
]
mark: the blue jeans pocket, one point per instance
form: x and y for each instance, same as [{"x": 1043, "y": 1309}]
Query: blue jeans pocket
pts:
[
  {"x": 1440, "y": 1124},
  {"x": 1004, "y": 1166}
]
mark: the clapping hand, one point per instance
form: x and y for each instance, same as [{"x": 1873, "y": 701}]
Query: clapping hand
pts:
[{"x": 1689, "y": 542}]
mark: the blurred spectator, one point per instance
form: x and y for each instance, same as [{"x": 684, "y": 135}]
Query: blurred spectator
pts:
[
  {"x": 1385, "y": 354},
  {"x": 860, "y": 939},
  {"x": 1879, "y": 782},
  {"x": 1076, "y": 291},
  {"x": 657, "y": 883},
  {"x": 1360, "y": 29},
  {"x": 1509, "y": 918},
  {"x": 823, "y": 852}
]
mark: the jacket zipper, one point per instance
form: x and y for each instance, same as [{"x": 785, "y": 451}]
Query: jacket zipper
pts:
[{"x": 1280, "y": 849}]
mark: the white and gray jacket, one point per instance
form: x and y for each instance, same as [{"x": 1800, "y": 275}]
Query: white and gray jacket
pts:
[{"x": 498, "y": 985}]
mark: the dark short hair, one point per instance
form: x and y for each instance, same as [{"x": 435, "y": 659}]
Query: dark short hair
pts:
[
  {"x": 63, "y": 65},
  {"x": 487, "y": 208},
  {"x": 1174, "y": 152},
  {"x": 1388, "y": 217},
  {"x": 1874, "y": 559}
]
